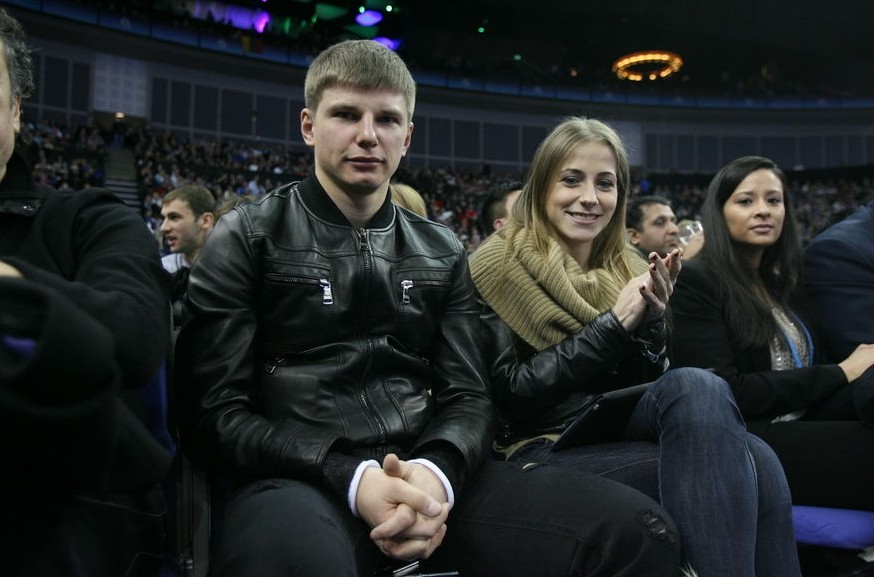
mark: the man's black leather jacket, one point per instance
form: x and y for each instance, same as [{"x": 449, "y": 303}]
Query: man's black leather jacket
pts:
[{"x": 310, "y": 337}]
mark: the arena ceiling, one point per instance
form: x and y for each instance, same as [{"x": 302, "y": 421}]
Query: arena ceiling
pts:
[{"x": 798, "y": 45}]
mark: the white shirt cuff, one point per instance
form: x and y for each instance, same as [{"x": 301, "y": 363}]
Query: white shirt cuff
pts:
[
  {"x": 450, "y": 495},
  {"x": 356, "y": 480}
]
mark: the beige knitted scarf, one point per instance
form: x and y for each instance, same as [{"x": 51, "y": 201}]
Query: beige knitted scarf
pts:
[{"x": 542, "y": 300}]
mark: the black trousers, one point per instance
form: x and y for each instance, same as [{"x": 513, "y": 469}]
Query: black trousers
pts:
[
  {"x": 828, "y": 454},
  {"x": 109, "y": 535},
  {"x": 508, "y": 521}
]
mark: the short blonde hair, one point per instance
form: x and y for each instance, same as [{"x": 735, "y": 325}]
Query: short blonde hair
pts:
[{"x": 358, "y": 64}]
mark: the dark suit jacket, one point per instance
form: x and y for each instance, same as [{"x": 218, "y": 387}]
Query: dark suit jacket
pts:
[
  {"x": 839, "y": 277},
  {"x": 702, "y": 338}
]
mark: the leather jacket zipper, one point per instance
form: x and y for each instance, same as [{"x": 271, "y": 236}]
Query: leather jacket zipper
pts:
[
  {"x": 407, "y": 284},
  {"x": 323, "y": 283},
  {"x": 365, "y": 400},
  {"x": 271, "y": 366},
  {"x": 364, "y": 246}
]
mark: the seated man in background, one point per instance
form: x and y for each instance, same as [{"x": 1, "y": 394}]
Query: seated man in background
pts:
[
  {"x": 188, "y": 214},
  {"x": 652, "y": 227},
  {"x": 839, "y": 278},
  {"x": 84, "y": 324},
  {"x": 498, "y": 205}
]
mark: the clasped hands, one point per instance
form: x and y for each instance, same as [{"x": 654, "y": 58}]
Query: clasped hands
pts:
[
  {"x": 407, "y": 507},
  {"x": 645, "y": 297}
]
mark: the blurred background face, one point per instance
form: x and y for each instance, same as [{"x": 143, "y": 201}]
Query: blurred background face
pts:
[
  {"x": 658, "y": 229},
  {"x": 183, "y": 232},
  {"x": 583, "y": 196},
  {"x": 754, "y": 212}
]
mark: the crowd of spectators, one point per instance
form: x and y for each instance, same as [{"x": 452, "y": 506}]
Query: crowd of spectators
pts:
[
  {"x": 64, "y": 157},
  {"x": 453, "y": 197}
]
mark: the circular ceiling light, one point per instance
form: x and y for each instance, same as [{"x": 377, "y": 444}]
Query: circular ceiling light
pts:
[{"x": 650, "y": 65}]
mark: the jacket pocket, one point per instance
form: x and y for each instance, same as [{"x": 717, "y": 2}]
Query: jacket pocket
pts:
[
  {"x": 420, "y": 296},
  {"x": 297, "y": 303}
]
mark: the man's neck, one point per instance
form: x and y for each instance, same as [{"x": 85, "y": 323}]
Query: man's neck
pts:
[{"x": 357, "y": 206}]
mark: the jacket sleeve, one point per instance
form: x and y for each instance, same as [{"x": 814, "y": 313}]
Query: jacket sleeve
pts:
[
  {"x": 587, "y": 362},
  {"x": 59, "y": 412},
  {"x": 118, "y": 281},
  {"x": 702, "y": 338},
  {"x": 839, "y": 277}
]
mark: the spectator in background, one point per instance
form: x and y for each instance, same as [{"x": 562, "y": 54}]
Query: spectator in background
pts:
[
  {"x": 408, "y": 197},
  {"x": 652, "y": 227},
  {"x": 497, "y": 206},
  {"x": 229, "y": 205},
  {"x": 839, "y": 277},
  {"x": 188, "y": 216},
  {"x": 83, "y": 326}
]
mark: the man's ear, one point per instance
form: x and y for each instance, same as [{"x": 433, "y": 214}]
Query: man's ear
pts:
[
  {"x": 306, "y": 125},
  {"x": 409, "y": 139},
  {"x": 208, "y": 219},
  {"x": 16, "y": 115},
  {"x": 633, "y": 236}
]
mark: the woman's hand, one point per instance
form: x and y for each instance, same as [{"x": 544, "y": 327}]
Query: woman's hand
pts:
[
  {"x": 645, "y": 297},
  {"x": 663, "y": 273},
  {"x": 858, "y": 362}
]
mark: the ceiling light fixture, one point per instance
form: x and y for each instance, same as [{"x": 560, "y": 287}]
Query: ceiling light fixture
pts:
[{"x": 650, "y": 65}]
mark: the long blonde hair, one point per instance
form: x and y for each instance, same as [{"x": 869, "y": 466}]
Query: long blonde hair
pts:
[{"x": 609, "y": 248}]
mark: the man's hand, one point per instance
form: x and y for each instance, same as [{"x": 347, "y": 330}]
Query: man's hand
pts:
[
  {"x": 9, "y": 270},
  {"x": 407, "y": 522},
  {"x": 416, "y": 475}
]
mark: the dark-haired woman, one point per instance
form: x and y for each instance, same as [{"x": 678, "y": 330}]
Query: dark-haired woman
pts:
[{"x": 738, "y": 310}]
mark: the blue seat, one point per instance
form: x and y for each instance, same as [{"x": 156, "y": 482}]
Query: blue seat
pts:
[{"x": 839, "y": 528}]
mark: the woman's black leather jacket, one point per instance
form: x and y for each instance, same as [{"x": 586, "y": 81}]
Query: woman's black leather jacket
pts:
[
  {"x": 309, "y": 336},
  {"x": 538, "y": 393}
]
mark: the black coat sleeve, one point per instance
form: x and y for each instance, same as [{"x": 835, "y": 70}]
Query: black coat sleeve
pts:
[
  {"x": 702, "y": 338},
  {"x": 113, "y": 274},
  {"x": 534, "y": 389},
  {"x": 59, "y": 408}
]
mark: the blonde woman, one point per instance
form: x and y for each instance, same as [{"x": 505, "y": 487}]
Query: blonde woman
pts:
[{"x": 571, "y": 311}]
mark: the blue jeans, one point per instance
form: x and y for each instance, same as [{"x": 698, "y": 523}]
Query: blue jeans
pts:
[{"x": 687, "y": 447}]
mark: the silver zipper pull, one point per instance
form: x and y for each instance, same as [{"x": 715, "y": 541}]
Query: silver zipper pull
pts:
[
  {"x": 327, "y": 294},
  {"x": 406, "y": 285}
]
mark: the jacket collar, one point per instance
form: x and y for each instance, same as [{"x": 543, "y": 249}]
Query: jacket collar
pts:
[
  {"x": 18, "y": 181},
  {"x": 18, "y": 193},
  {"x": 316, "y": 198}
]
